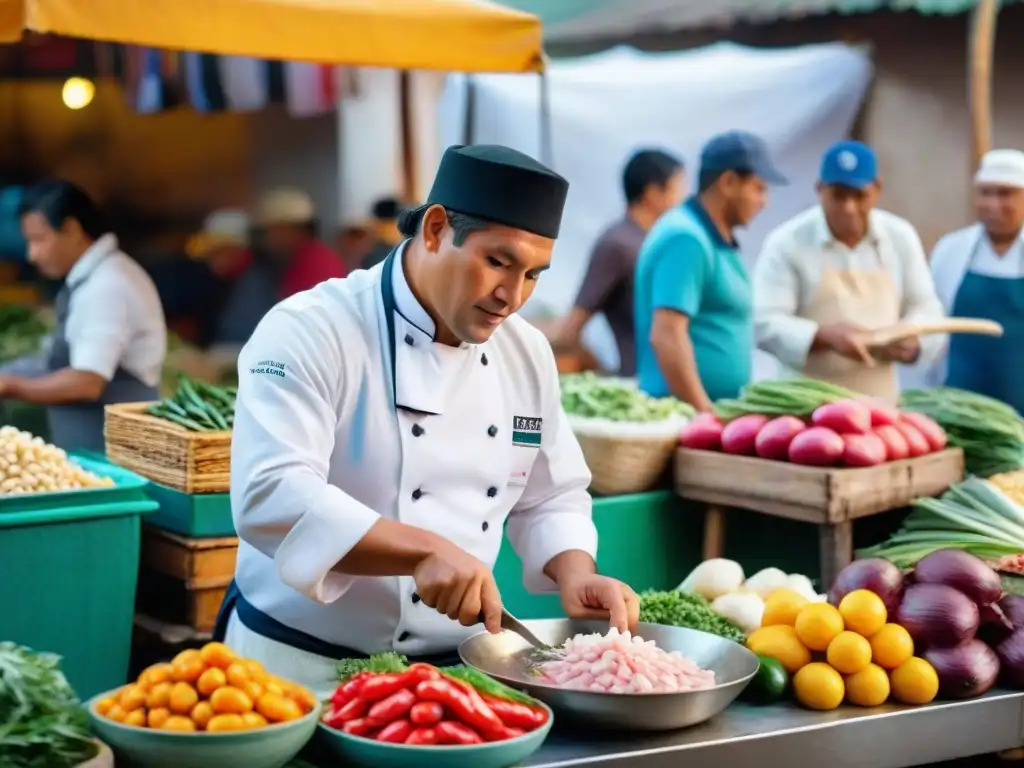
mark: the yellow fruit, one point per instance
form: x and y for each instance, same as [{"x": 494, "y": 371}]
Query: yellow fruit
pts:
[
  {"x": 212, "y": 679},
  {"x": 156, "y": 718},
  {"x": 254, "y": 720},
  {"x": 849, "y": 653},
  {"x": 222, "y": 723},
  {"x": 891, "y": 646},
  {"x": 105, "y": 705},
  {"x": 201, "y": 714},
  {"x": 863, "y": 612},
  {"x": 178, "y": 723},
  {"x": 782, "y": 608},
  {"x": 132, "y": 697},
  {"x": 914, "y": 682},
  {"x": 818, "y": 686},
  {"x": 136, "y": 718},
  {"x": 869, "y": 687},
  {"x": 230, "y": 701},
  {"x": 817, "y": 625},
  {"x": 778, "y": 642}
]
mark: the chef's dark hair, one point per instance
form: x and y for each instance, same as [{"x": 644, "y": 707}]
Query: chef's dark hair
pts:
[
  {"x": 58, "y": 200},
  {"x": 647, "y": 167},
  {"x": 462, "y": 224}
]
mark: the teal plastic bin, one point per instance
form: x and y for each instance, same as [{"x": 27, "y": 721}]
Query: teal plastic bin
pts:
[
  {"x": 195, "y": 515},
  {"x": 69, "y": 565}
]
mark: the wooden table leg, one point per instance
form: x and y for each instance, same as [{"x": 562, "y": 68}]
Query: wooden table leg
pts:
[
  {"x": 835, "y": 547},
  {"x": 714, "y": 532}
]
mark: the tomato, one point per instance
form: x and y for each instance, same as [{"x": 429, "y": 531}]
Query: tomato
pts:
[{"x": 230, "y": 701}]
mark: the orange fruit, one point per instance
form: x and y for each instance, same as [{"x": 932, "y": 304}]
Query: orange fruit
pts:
[
  {"x": 104, "y": 705},
  {"x": 863, "y": 612},
  {"x": 817, "y": 625},
  {"x": 116, "y": 714},
  {"x": 157, "y": 717},
  {"x": 891, "y": 646},
  {"x": 304, "y": 697},
  {"x": 183, "y": 698},
  {"x": 159, "y": 695},
  {"x": 818, "y": 686},
  {"x": 217, "y": 655},
  {"x": 256, "y": 670},
  {"x": 278, "y": 709},
  {"x": 782, "y": 607},
  {"x": 136, "y": 718},
  {"x": 230, "y": 701},
  {"x": 229, "y": 722},
  {"x": 211, "y": 679},
  {"x": 201, "y": 714},
  {"x": 254, "y": 720},
  {"x": 178, "y": 723},
  {"x": 238, "y": 675},
  {"x": 132, "y": 697},
  {"x": 156, "y": 674},
  {"x": 782, "y": 644},
  {"x": 869, "y": 687},
  {"x": 848, "y": 653},
  {"x": 914, "y": 682},
  {"x": 253, "y": 689}
]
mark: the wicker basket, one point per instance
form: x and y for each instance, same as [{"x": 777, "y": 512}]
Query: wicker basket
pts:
[
  {"x": 192, "y": 462},
  {"x": 625, "y": 463}
]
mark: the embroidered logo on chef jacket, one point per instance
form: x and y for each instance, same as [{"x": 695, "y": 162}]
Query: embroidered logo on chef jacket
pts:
[
  {"x": 269, "y": 368},
  {"x": 526, "y": 431}
]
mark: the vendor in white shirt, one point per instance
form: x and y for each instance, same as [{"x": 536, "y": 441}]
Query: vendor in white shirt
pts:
[
  {"x": 110, "y": 338},
  {"x": 838, "y": 269},
  {"x": 387, "y": 427},
  {"x": 979, "y": 272}
]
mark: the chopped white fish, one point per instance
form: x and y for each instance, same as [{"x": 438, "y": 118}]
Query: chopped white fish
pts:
[{"x": 622, "y": 663}]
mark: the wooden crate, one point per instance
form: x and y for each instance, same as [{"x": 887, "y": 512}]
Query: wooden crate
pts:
[
  {"x": 184, "y": 580},
  {"x": 192, "y": 462},
  {"x": 829, "y": 497}
]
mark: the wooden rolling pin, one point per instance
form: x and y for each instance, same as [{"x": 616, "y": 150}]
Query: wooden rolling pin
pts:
[{"x": 884, "y": 336}]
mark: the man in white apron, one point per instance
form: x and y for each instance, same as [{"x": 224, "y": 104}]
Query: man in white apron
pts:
[
  {"x": 838, "y": 269},
  {"x": 389, "y": 424}
]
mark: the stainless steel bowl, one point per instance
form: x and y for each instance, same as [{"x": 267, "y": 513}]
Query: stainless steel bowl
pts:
[{"x": 509, "y": 658}]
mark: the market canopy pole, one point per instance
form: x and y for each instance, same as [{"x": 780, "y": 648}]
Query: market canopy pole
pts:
[
  {"x": 979, "y": 70},
  {"x": 449, "y": 35}
]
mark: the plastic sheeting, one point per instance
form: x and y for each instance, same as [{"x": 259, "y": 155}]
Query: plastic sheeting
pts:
[{"x": 606, "y": 106}]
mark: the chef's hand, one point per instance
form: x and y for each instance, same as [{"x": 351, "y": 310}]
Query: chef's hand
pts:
[
  {"x": 458, "y": 585},
  {"x": 903, "y": 351},
  {"x": 592, "y": 596},
  {"x": 845, "y": 339}
]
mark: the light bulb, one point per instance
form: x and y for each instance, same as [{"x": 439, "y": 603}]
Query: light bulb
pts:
[{"x": 78, "y": 92}]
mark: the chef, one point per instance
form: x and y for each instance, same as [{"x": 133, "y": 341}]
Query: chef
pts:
[
  {"x": 979, "y": 272},
  {"x": 841, "y": 268},
  {"x": 391, "y": 423},
  {"x": 110, "y": 338}
]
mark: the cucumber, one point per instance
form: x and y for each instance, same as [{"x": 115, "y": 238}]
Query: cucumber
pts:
[{"x": 769, "y": 684}]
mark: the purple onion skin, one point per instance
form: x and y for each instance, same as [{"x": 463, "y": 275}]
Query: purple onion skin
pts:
[
  {"x": 995, "y": 624},
  {"x": 966, "y": 671},
  {"x": 873, "y": 574},
  {"x": 963, "y": 572},
  {"x": 1013, "y": 609},
  {"x": 1011, "y": 658},
  {"x": 937, "y": 616}
]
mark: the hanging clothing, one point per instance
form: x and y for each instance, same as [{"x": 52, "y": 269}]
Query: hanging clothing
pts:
[
  {"x": 349, "y": 411},
  {"x": 245, "y": 83}
]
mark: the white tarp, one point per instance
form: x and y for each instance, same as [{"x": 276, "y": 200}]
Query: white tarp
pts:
[{"x": 603, "y": 107}]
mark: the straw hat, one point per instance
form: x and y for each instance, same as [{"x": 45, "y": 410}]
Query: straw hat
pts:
[
  {"x": 224, "y": 227},
  {"x": 285, "y": 205}
]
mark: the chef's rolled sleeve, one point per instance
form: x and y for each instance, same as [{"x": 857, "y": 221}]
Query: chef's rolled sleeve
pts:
[
  {"x": 291, "y": 378},
  {"x": 777, "y": 327},
  {"x": 554, "y": 513},
  {"x": 679, "y": 268}
]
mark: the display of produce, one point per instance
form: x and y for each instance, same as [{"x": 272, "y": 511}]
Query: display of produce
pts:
[
  {"x": 210, "y": 690},
  {"x": 385, "y": 699},
  {"x": 587, "y": 395},
  {"x": 815, "y": 424},
  {"x": 1012, "y": 484},
  {"x": 618, "y": 662},
  {"x": 198, "y": 407},
  {"x": 28, "y": 464},
  {"x": 42, "y": 724},
  {"x": 974, "y": 516},
  {"x": 990, "y": 432},
  {"x": 675, "y": 608},
  {"x": 22, "y": 330}
]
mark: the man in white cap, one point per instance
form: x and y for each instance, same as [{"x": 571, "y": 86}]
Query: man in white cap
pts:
[{"x": 979, "y": 272}]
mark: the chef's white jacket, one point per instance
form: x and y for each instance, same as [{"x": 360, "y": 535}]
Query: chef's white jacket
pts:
[
  {"x": 320, "y": 452},
  {"x": 952, "y": 256}
]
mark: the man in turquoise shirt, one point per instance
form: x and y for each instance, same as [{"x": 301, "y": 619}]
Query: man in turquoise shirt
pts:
[{"x": 693, "y": 304}]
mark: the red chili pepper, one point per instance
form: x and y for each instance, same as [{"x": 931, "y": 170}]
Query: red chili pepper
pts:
[
  {"x": 381, "y": 686},
  {"x": 349, "y": 689},
  {"x": 422, "y": 736},
  {"x": 461, "y": 705},
  {"x": 515, "y": 714},
  {"x": 354, "y": 710},
  {"x": 508, "y": 733},
  {"x": 332, "y": 720},
  {"x": 364, "y": 726},
  {"x": 426, "y": 713},
  {"x": 450, "y": 732},
  {"x": 421, "y": 672},
  {"x": 393, "y": 707},
  {"x": 488, "y": 723},
  {"x": 396, "y": 733}
]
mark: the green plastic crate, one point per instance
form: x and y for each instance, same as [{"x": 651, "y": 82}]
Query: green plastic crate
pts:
[
  {"x": 77, "y": 562},
  {"x": 196, "y": 515}
]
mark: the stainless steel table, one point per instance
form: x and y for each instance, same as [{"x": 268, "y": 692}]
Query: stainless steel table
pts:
[{"x": 886, "y": 737}]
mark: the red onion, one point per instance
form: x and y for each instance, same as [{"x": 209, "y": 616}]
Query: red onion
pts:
[
  {"x": 968, "y": 670},
  {"x": 962, "y": 571},
  {"x": 995, "y": 626},
  {"x": 1011, "y": 658},
  {"x": 873, "y": 574},
  {"x": 1013, "y": 609},
  {"x": 937, "y": 615}
]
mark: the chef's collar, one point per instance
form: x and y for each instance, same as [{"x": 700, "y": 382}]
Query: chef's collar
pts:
[
  {"x": 88, "y": 261},
  {"x": 406, "y": 303},
  {"x": 825, "y": 237}
]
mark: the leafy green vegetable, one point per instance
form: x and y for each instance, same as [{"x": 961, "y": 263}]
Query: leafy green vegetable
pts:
[
  {"x": 42, "y": 724},
  {"x": 378, "y": 664},
  {"x": 685, "y": 609},
  {"x": 486, "y": 684},
  {"x": 596, "y": 397},
  {"x": 22, "y": 330}
]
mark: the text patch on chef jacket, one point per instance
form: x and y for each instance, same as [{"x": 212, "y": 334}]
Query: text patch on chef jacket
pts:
[
  {"x": 269, "y": 368},
  {"x": 526, "y": 431}
]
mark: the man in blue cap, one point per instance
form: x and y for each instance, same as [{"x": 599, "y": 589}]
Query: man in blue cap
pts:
[
  {"x": 692, "y": 295},
  {"x": 840, "y": 269}
]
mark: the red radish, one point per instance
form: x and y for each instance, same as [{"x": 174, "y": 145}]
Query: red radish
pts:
[
  {"x": 929, "y": 429},
  {"x": 703, "y": 432},
  {"x": 896, "y": 448},
  {"x": 845, "y": 416},
  {"x": 915, "y": 440},
  {"x": 882, "y": 413},
  {"x": 774, "y": 438},
  {"x": 740, "y": 435},
  {"x": 863, "y": 450},
  {"x": 816, "y": 447}
]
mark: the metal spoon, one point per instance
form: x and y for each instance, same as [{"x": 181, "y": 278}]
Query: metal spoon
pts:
[{"x": 512, "y": 624}]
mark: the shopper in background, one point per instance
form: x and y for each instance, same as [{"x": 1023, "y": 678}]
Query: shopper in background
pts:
[
  {"x": 287, "y": 221},
  {"x": 110, "y": 338},
  {"x": 355, "y": 241},
  {"x": 693, "y": 310},
  {"x": 385, "y": 230},
  {"x": 837, "y": 269},
  {"x": 979, "y": 272},
  {"x": 653, "y": 182}
]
